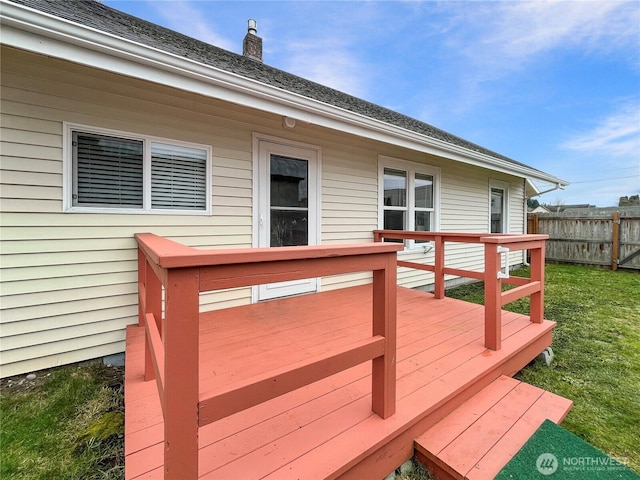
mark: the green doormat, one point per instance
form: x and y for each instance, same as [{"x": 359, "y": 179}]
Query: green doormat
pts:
[{"x": 554, "y": 453}]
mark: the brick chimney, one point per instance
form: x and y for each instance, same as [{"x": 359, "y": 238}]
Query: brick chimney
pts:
[{"x": 252, "y": 43}]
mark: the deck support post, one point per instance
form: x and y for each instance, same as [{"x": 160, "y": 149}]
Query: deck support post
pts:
[
  {"x": 439, "y": 267},
  {"x": 383, "y": 383},
  {"x": 180, "y": 338},
  {"x": 536, "y": 300},
  {"x": 492, "y": 297}
]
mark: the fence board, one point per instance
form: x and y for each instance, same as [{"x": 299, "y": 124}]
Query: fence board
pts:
[{"x": 591, "y": 236}]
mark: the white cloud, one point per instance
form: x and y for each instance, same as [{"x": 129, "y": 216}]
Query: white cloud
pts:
[
  {"x": 616, "y": 135},
  {"x": 506, "y": 35}
]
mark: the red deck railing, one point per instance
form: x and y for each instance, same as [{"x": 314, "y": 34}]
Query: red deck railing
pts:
[
  {"x": 494, "y": 246},
  {"x": 172, "y": 330}
]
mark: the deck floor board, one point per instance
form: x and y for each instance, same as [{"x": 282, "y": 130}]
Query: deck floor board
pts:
[{"x": 325, "y": 429}]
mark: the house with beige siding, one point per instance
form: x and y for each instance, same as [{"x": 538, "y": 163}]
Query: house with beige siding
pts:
[{"x": 113, "y": 126}]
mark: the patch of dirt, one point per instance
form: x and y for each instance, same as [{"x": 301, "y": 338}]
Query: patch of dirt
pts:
[
  {"x": 22, "y": 384},
  {"x": 25, "y": 383}
]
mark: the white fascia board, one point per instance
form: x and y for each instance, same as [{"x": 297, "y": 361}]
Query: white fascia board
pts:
[{"x": 35, "y": 31}]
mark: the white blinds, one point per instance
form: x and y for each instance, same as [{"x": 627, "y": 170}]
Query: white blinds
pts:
[
  {"x": 178, "y": 177},
  {"x": 108, "y": 171},
  {"x": 116, "y": 172}
]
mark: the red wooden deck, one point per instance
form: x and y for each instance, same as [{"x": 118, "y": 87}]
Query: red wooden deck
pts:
[{"x": 326, "y": 429}]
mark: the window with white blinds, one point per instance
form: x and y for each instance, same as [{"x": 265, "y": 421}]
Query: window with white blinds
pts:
[
  {"x": 178, "y": 177},
  {"x": 108, "y": 171},
  {"x": 137, "y": 174}
]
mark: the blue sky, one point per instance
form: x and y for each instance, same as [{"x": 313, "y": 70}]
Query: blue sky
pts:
[{"x": 555, "y": 85}]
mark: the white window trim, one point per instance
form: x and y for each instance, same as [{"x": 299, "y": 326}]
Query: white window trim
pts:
[
  {"x": 411, "y": 168},
  {"x": 504, "y": 186},
  {"x": 67, "y": 161}
]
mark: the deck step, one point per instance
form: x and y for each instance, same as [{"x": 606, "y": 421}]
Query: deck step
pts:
[{"x": 478, "y": 439}]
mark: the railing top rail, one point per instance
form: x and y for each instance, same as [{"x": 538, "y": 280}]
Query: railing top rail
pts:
[
  {"x": 462, "y": 237},
  {"x": 513, "y": 238},
  {"x": 423, "y": 234},
  {"x": 169, "y": 254}
]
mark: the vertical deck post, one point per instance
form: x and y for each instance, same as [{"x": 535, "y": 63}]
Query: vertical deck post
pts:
[
  {"x": 180, "y": 338},
  {"x": 383, "y": 384},
  {"x": 492, "y": 297},
  {"x": 536, "y": 300},
  {"x": 439, "y": 267}
]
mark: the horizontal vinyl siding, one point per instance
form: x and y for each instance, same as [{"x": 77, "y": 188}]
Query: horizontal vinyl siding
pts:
[{"x": 349, "y": 202}]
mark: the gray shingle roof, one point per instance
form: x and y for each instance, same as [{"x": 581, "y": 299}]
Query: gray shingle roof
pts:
[{"x": 101, "y": 17}]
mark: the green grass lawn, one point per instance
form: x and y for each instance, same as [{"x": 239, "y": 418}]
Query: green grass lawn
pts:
[
  {"x": 597, "y": 353},
  {"x": 67, "y": 423}
]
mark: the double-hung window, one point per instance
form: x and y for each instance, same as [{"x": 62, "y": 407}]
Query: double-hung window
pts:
[
  {"x": 118, "y": 172},
  {"x": 409, "y": 195}
]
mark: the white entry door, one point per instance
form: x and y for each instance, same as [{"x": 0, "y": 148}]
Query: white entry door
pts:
[{"x": 287, "y": 209}]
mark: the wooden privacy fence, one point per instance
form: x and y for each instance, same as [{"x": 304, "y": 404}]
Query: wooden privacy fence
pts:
[
  {"x": 594, "y": 237},
  {"x": 172, "y": 331},
  {"x": 495, "y": 245}
]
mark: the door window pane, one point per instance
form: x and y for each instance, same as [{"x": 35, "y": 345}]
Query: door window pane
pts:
[
  {"x": 289, "y": 201},
  {"x": 289, "y": 228},
  {"x": 289, "y": 182}
]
